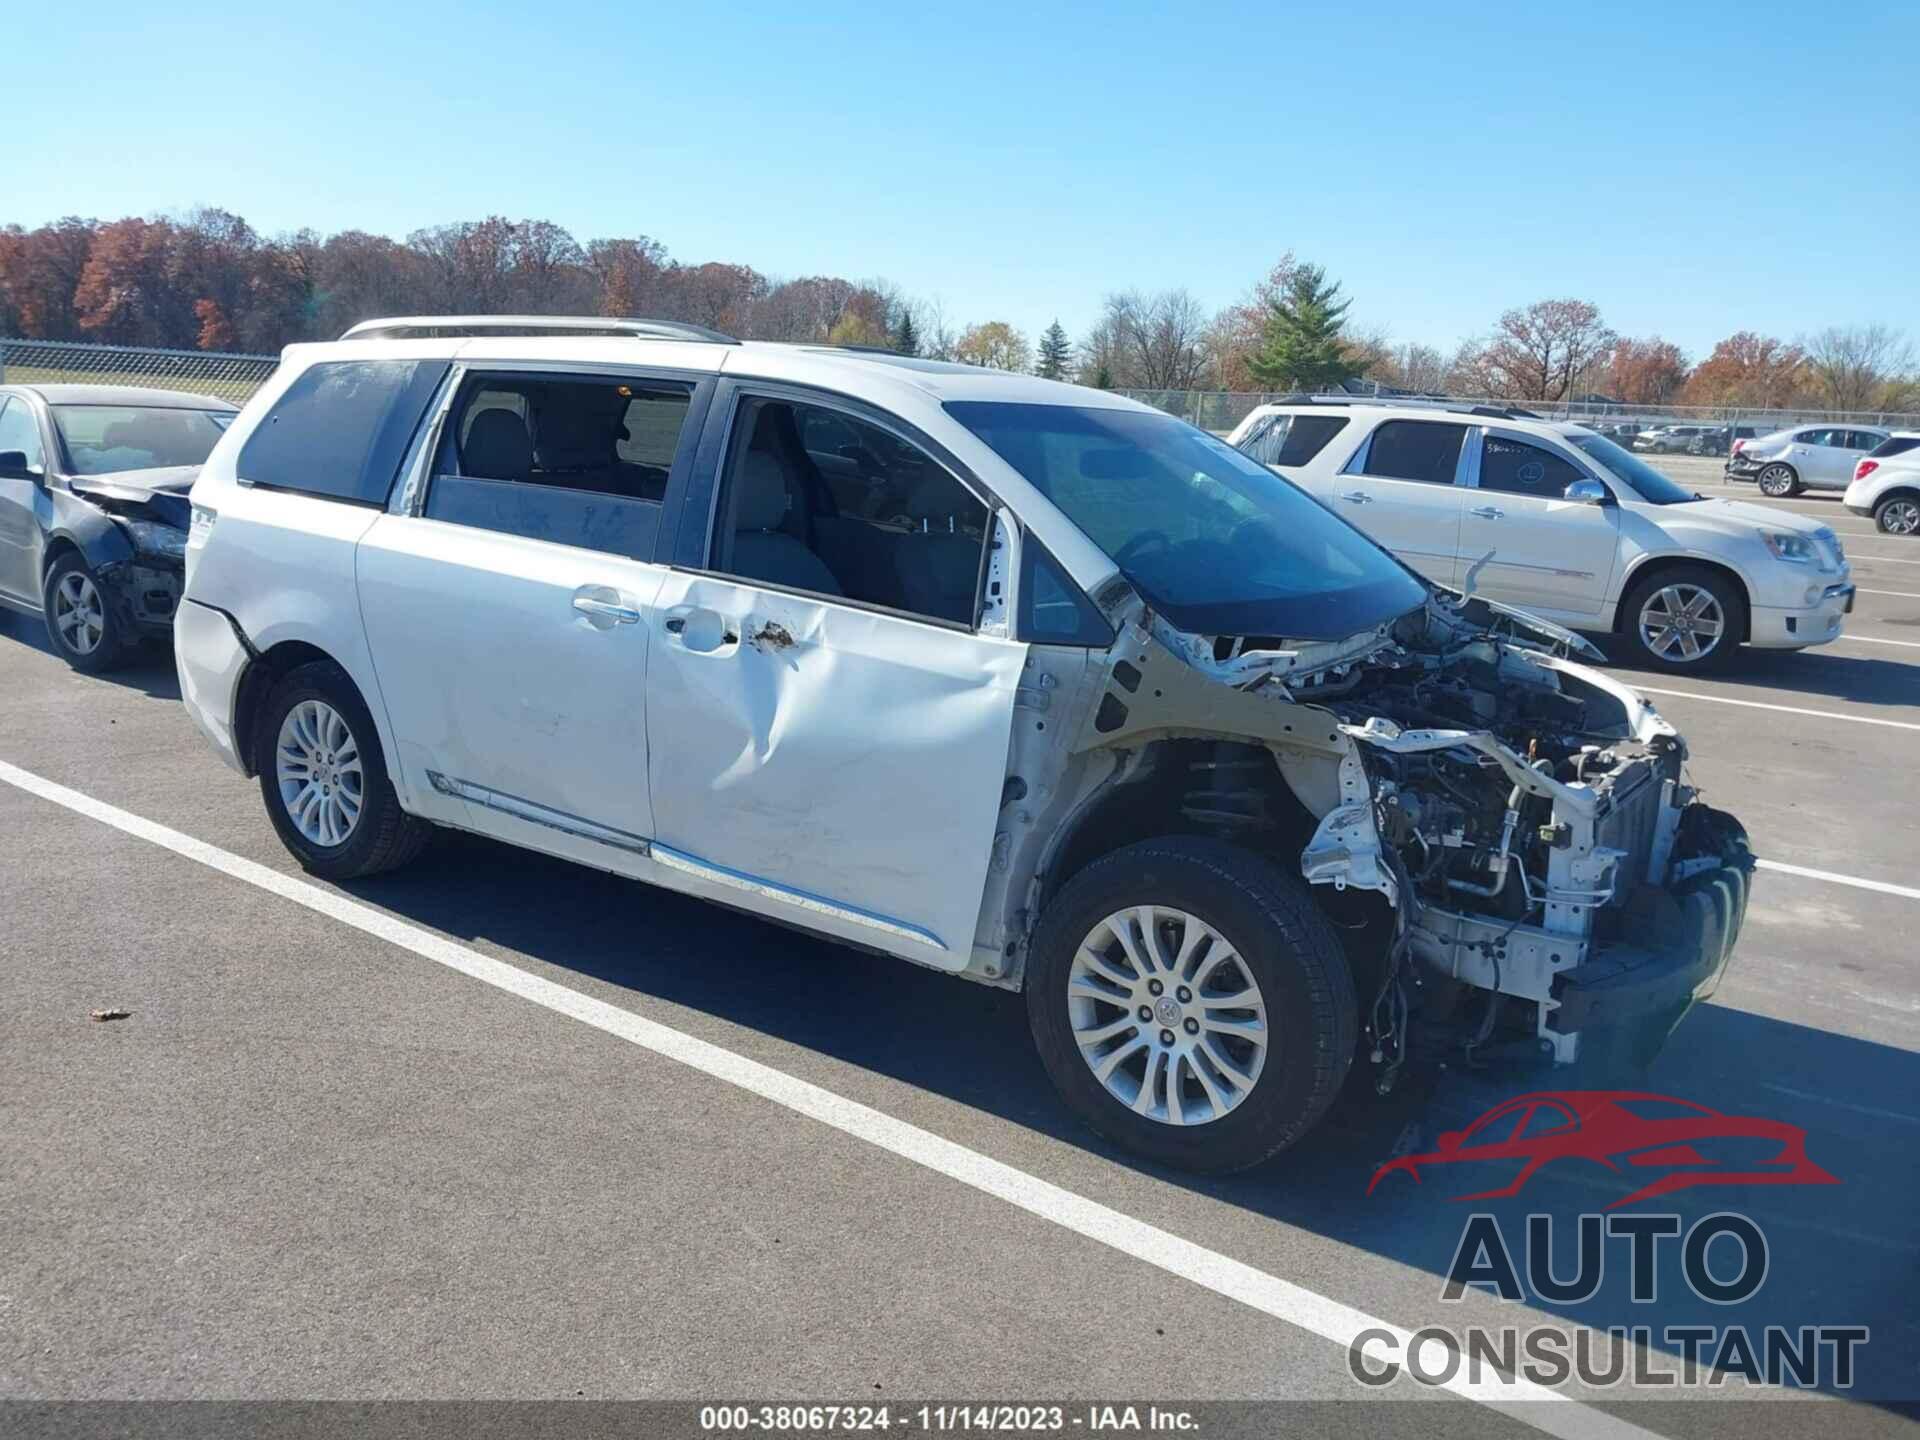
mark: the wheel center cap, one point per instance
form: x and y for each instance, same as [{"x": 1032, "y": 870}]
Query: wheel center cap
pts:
[{"x": 1167, "y": 1011}]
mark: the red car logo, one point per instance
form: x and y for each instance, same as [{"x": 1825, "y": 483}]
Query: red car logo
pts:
[{"x": 1625, "y": 1131}]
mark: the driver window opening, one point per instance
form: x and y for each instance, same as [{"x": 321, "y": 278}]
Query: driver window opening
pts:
[{"x": 820, "y": 501}]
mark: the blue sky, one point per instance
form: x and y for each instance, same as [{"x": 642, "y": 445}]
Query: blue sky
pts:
[{"x": 1693, "y": 169}]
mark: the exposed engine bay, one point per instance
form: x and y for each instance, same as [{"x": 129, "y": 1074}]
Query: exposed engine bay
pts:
[{"x": 1552, "y": 886}]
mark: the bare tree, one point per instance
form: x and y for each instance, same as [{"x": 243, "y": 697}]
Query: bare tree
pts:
[
  {"x": 1158, "y": 339},
  {"x": 1855, "y": 363}
]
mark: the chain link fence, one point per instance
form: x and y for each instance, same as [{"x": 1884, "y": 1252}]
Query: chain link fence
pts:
[
  {"x": 199, "y": 372},
  {"x": 1221, "y": 410}
]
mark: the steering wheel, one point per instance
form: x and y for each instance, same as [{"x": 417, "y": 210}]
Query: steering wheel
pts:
[{"x": 1142, "y": 541}]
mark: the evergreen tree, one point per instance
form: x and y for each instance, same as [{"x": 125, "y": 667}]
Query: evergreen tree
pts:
[
  {"x": 1302, "y": 347},
  {"x": 906, "y": 339},
  {"x": 1103, "y": 378},
  {"x": 1055, "y": 353}
]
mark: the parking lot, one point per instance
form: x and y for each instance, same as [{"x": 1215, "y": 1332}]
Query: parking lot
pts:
[{"x": 500, "y": 1127}]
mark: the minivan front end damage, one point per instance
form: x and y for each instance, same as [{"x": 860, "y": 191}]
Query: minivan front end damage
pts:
[{"x": 1506, "y": 836}]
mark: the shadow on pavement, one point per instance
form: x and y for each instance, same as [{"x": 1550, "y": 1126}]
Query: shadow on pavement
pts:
[
  {"x": 1846, "y": 1254},
  {"x": 1789, "y": 677},
  {"x": 149, "y": 669}
]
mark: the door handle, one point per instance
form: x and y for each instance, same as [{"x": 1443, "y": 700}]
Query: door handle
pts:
[
  {"x": 1357, "y": 497},
  {"x": 604, "y": 607},
  {"x": 1487, "y": 512}
]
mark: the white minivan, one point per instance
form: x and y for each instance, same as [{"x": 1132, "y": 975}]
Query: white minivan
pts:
[
  {"x": 1024, "y": 682},
  {"x": 1561, "y": 522}
]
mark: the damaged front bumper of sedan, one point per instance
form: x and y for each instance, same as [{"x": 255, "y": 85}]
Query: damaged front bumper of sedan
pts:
[{"x": 1504, "y": 837}]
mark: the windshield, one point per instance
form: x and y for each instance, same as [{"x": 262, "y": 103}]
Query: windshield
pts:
[
  {"x": 1631, "y": 470},
  {"x": 101, "y": 439},
  {"x": 1213, "y": 541}
]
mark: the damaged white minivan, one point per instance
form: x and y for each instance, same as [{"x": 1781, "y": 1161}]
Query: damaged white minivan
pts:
[{"x": 1017, "y": 680}]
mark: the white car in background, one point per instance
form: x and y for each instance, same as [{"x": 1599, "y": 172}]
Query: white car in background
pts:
[
  {"x": 1555, "y": 520},
  {"x": 1886, "y": 485},
  {"x": 1804, "y": 457}
]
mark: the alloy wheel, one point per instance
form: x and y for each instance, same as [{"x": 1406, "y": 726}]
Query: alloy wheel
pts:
[
  {"x": 317, "y": 765},
  {"x": 1682, "y": 622},
  {"x": 1776, "y": 480},
  {"x": 1900, "y": 517},
  {"x": 79, "y": 614},
  {"x": 1167, "y": 1015}
]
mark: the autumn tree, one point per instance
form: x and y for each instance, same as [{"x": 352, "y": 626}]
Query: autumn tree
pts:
[
  {"x": 1748, "y": 370},
  {"x": 128, "y": 292},
  {"x": 995, "y": 345},
  {"x": 1056, "y": 354},
  {"x": 40, "y": 270},
  {"x": 1541, "y": 352},
  {"x": 627, "y": 273},
  {"x": 1303, "y": 345},
  {"x": 1646, "y": 372}
]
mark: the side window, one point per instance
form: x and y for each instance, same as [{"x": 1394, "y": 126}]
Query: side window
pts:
[
  {"x": 20, "y": 431},
  {"x": 1416, "y": 450},
  {"x": 1053, "y": 611},
  {"x": 1516, "y": 468},
  {"x": 1544, "y": 1119},
  {"x": 1815, "y": 437},
  {"x": 1293, "y": 439},
  {"x": 340, "y": 430},
  {"x": 1862, "y": 440},
  {"x": 573, "y": 460},
  {"x": 815, "y": 499}
]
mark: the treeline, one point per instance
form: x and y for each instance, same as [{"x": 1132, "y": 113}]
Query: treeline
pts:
[{"x": 207, "y": 280}]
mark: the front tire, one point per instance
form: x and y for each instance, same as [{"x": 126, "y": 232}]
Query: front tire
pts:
[
  {"x": 1897, "y": 515},
  {"x": 1683, "y": 620},
  {"x": 86, "y": 630},
  {"x": 324, "y": 779},
  {"x": 1191, "y": 1003},
  {"x": 1779, "y": 481}
]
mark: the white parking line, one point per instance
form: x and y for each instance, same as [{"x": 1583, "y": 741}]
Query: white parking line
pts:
[
  {"x": 1783, "y": 709},
  {"x": 1880, "y": 559},
  {"x": 1876, "y": 640},
  {"x": 1906, "y": 892},
  {"x": 1873, "y": 1110},
  {"x": 1896, "y": 594},
  {"x": 1516, "y": 1398}
]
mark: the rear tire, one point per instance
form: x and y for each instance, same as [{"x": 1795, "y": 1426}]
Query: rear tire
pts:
[
  {"x": 1897, "y": 515},
  {"x": 1779, "y": 481},
  {"x": 1246, "y": 931},
  {"x": 1663, "y": 617},
  {"x": 86, "y": 628},
  {"x": 324, "y": 778}
]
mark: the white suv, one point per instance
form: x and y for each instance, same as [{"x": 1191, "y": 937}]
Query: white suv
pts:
[
  {"x": 1886, "y": 485},
  {"x": 1550, "y": 517},
  {"x": 1020, "y": 681}
]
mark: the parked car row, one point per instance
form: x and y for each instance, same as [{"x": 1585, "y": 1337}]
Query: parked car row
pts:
[
  {"x": 1020, "y": 681},
  {"x": 1548, "y": 516}
]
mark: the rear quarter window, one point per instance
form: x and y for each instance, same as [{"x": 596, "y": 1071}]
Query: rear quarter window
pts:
[
  {"x": 341, "y": 429},
  {"x": 1898, "y": 445},
  {"x": 1292, "y": 439}
]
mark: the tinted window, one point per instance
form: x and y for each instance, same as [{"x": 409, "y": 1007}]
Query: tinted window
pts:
[
  {"x": 19, "y": 431},
  {"x": 1217, "y": 543},
  {"x": 1638, "y": 476},
  {"x": 1415, "y": 450},
  {"x": 1898, "y": 445},
  {"x": 1293, "y": 439},
  {"x": 1521, "y": 469},
  {"x": 1053, "y": 611},
  {"x": 819, "y": 500},
  {"x": 1815, "y": 437},
  {"x": 579, "y": 461},
  {"x": 1862, "y": 439},
  {"x": 341, "y": 429},
  {"x": 103, "y": 439}
]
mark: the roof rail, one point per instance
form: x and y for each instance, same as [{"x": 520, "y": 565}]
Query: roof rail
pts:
[
  {"x": 444, "y": 327},
  {"x": 1411, "y": 402}
]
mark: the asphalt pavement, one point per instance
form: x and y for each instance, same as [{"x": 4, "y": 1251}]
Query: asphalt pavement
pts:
[{"x": 338, "y": 1151}]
